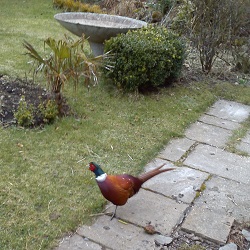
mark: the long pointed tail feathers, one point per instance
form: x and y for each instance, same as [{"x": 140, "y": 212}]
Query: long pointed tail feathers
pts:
[{"x": 148, "y": 175}]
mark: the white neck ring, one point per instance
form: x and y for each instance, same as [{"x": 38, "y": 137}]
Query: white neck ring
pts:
[{"x": 101, "y": 178}]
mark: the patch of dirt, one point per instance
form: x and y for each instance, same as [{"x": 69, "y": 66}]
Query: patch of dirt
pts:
[
  {"x": 185, "y": 241},
  {"x": 182, "y": 240},
  {"x": 11, "y": 91},
  {"x": 189, "y": 241},
  {"x": 237, "y": 237}
]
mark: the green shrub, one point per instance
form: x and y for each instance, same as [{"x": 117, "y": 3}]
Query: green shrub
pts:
[
  {"x": 24, "y": 113},
  {"x": 28, "y": 115},
  {"x": 144, "y": 58},
  {"x": 49, "y": 111}
]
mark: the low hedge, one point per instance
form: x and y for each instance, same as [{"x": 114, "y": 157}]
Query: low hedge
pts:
[{"x": 146, "y": 57}]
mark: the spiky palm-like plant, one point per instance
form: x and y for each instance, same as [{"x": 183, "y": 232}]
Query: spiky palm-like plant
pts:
[{"x": 66, "y": 60}]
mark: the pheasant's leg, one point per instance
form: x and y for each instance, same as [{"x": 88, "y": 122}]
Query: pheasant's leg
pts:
[{"x": 113, "y": 213}]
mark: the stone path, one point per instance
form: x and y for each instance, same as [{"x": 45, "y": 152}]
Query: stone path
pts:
[{"x": 207, "y": 192}]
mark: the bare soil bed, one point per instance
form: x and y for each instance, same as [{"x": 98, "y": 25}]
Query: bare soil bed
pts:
[{"x": 11, "y": 90}]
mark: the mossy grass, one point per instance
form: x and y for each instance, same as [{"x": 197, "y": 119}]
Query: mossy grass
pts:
[
  {"x": 193, "y": 247},
  {"x": 237, "y": 136},
  {"x": 46, "y": 188}
]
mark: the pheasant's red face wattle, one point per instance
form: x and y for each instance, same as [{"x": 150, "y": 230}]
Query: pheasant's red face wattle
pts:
[{"x": 92, "y": 167}]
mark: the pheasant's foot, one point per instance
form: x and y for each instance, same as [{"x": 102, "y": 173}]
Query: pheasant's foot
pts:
[{"x": 113, "y": 216}]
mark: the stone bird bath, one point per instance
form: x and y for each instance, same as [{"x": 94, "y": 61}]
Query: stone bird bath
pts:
[{"x": 97, "y": 27}]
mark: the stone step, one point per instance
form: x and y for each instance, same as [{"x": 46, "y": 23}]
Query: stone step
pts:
[
  {"x": 117, "y": 235},
  {"x": 77, "y": 242},
  {"x": 220, "y": 162},
  {"x": 213, "y": 213},
  {"x": 218, "y": 122},
  {"x": 148, "y": 207},
  {"x": 231, "y": 111},
  {"x": 208, "y": 134},
  {"x": 180, "y": 184}
]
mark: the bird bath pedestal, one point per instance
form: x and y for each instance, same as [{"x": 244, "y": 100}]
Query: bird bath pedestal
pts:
[{"x": 97, "y": 27}]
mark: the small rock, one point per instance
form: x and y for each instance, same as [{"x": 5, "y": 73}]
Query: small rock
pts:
[
  {"x": 161, "y": 240},
  {"x": 176, "y": 235},
  {"x": 190, "y": 236},
  {"x": 195, "y": 238},
  {"x": 149, "y": 229},
  {"x": 230, "y": 246},
  {"x": 181, "y": 233},
  {"x": 246, "y": 234}
]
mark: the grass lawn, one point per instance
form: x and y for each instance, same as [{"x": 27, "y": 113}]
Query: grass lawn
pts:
[
  {"x": 30, "y": 20},
  {"x": 46, "y": 188}
]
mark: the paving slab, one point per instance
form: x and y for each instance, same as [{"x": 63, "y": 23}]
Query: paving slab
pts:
[
  {"x": 216, "y": 121},
  {"x": 158, "y": 162},
  {"x": 227, "y": 197},
  {"x": 220, "y": 162},
  {"x": 215, "y": 210},
  {"x": 77, "y": 242},
  {"x": 163, "y": 213},
  {"x": 180, "y": 184},
  {"x": 228, "y": 110},
  {"x": 229, "y": 246},
  {"x": 176, "y": 149},
  {"x": 209, "y": 134},
  {"x": 208, "y": 224},
  {"x": 117, "y": 235}
]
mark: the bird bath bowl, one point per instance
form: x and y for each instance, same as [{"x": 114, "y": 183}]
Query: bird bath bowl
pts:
[{"x": 97, "y": 27}]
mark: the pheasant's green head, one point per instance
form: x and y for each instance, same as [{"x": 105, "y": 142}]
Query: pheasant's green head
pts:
[{"x": 96, "y": 169}]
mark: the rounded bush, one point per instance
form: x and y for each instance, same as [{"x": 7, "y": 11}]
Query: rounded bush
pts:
[{"x": 144, "y": 58}]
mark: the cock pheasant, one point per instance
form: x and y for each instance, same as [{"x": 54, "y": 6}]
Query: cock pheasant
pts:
[{"x": 119, "y": 188}]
